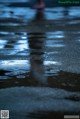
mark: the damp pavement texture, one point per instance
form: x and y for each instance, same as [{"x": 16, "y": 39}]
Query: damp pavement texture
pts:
[
  {"x": 37, "y": 103},
  {"x": 39, "y": 61}
]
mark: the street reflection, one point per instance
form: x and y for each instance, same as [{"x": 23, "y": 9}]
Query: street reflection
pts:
[
  {"x": 36, "y": 44},
  {"x": 45, "y": 50}
]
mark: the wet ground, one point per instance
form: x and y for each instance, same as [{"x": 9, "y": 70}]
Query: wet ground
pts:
[{"x": 41, "y": 51}]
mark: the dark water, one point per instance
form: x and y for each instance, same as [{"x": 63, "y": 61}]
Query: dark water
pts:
[
  {"x": 41, "y": 49},
  {"x": 39, "y": 44}
]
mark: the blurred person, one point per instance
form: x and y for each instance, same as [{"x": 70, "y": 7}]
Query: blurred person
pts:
[
  {"x": 36, "y": 40},
  {"x": 40, "y": 5}
]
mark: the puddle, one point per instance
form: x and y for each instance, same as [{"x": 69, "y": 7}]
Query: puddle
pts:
[
  {"x": 39, "y": 61},
  {"x": 33, "y": 49}
]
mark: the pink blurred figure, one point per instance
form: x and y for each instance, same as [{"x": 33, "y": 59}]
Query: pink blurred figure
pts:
[{"x": 40, "y": 5}]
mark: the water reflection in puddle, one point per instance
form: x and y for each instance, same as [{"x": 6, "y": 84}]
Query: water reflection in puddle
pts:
[
  {"x": 56, "y": 34},
  {"x": 45, "y": 52},
  {"x": 74, "y": 12},
  {"x": 39, "y": 59},
  {"x": 2, "y": 43},
  {"x": 54, "y": 13}
]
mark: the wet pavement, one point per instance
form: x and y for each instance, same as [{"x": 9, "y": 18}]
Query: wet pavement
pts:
[{"x": 40, "y": 49}]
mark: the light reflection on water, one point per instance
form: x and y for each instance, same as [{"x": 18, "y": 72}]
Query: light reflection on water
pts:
[
  {"x": 2, "y": 43},
  {"x": 57, "y": 34},
  {"x": 20, "y": 45},
  {"x": 54, "y": 13},
  {"x": 51, "y": 57},
  {"x": 57, "y": 44},
  {"x": 27, "y": 13},
  {"x": 74, "y": 12}
]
